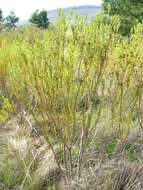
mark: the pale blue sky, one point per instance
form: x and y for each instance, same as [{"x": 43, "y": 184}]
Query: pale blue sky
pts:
[{"x": 24, "y": 8}]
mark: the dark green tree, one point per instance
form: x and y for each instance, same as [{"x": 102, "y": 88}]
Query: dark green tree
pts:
[
  {"x": 1, "y": 16},
  {"x": 1, "y": 20},
  {"x": 11, "y": 20},
  {"x": 130, "y": 12},
  {"x": 40, "y": 19}
]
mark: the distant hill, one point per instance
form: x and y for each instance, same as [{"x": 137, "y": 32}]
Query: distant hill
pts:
[{"x": 90, "y": 11}]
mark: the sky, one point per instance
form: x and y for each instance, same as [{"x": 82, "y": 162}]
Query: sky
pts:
[{"x": 24, "y": 8}]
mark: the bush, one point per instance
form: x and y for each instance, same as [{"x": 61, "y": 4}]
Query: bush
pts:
[{"x": 67, "y": 77}]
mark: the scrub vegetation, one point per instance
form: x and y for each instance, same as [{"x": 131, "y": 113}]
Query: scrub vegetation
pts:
[{"x": 71, "y": 99}]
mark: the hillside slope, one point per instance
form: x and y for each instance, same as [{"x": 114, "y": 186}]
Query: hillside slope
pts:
[{"x": 91, "y": 11}]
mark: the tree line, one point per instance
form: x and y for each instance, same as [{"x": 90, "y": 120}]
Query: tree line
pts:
[{"x": 39, "y": 18}]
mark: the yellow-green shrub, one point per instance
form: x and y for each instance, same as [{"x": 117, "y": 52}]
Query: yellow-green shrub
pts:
[{"x": 70, "y": 74}]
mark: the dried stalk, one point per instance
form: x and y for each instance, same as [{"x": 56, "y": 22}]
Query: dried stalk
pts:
[
  {"x": 71, "y": 165},
  {"x": 80, "y": 154}
]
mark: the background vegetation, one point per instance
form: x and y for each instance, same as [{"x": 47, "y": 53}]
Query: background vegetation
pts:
[{"x": 130, "y": 12}]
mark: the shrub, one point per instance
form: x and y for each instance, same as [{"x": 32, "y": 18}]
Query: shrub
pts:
[{"x": 67, "y": 77}]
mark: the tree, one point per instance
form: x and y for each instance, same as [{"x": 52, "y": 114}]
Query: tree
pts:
[
  {"x": 40, "y": 19},
  {"x": 1, "y": 16},
  {"x": 130, "y": 12},
  {"x": 1, "y": 20},
  {"x": 11, "y": 20}
]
